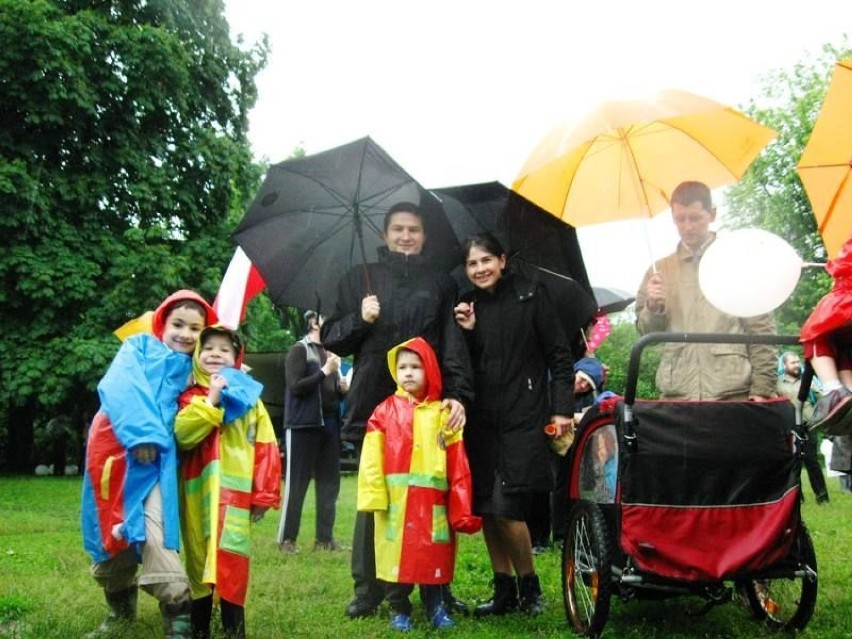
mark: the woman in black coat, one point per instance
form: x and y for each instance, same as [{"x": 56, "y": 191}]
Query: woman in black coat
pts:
[{"x": 523, "y": 380}]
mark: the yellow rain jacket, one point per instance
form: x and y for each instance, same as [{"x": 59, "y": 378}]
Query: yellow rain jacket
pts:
[
  {"x": 415, "y": 476},
  {"x": 229, "y": 463}
]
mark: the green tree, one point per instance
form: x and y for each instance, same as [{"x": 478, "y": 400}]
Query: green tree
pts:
[
  {"x": 615, "y": 353},
  {"x": 770, "y": 196},
  {"x": 124, "y": 165}
]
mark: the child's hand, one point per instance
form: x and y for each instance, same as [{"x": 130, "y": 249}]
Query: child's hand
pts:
[
  {"x": 144, "y": 453},
  {"x": 257, "y": 513},
  {"x": 217, "y": 383}
]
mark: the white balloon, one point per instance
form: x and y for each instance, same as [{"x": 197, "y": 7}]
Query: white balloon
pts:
[{"x": 748, "y": 272}]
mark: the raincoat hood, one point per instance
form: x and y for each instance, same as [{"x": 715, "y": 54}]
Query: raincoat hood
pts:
[
  {"x": 591, "y": 370},
  {"x": 158, "y": 321},
  {"x": 242, "y": 391},
  {"x": 434, "y": 387}
]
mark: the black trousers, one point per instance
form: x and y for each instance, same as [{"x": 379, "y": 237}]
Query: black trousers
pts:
[
  {"x": 367, "y": 587},
  {"x": 559, "y": 498},
  {"x": 814, "y": 468},
  {"x": 398, "y": 596},
  {"x": 311, "y": 453}
]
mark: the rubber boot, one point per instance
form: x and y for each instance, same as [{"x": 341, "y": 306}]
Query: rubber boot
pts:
[
  {"x": 177, "y": 619},
  {"x": 122, "y": 608},
  {"x": 233, "y": 620},
  {"x": 505, "y": 597},
  {"x": 529, "y": 593},
  {"x": 202, "y": 611}
]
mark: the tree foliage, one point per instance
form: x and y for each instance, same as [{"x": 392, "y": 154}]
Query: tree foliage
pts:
[
  {"x": 771, "y": 196},
  {"x": 124, "y": 165},
  {"x": 614, "y": 352}
]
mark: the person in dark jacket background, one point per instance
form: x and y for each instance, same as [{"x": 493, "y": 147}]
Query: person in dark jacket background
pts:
[
  {"x": 405, "y": 298},
  {"x": 523, "y": 380},
  {"x": 312, "y": 437}
]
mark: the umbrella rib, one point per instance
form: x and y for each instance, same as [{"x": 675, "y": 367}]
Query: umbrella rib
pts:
[
  {"x": 830, "y": 210},
  {"x": 707, "y": 150},
  {"x": 638, "y": 182},
  {"x": 350, "y": 204},
  {"x": 573, "y": 176},
  {"x": 341, "y": 199},
  {"x": 311, "y": 248}
]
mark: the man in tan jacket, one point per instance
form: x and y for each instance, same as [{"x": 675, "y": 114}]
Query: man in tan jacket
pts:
[{"x": 670, "y": 299}]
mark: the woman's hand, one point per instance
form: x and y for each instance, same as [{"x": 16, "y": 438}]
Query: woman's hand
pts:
[
  {"x": 563, "y": 425},
  {"x": 465, "y": 316}
]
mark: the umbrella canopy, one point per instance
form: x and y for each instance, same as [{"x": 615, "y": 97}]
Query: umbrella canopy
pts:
[
  {"x": 625, "y": 159},
  {"x": 316, "y": 217},
  {"x": 826, "y": 164},
  {"x": 612, "y": 300},
  {"x": 542, "y": 247}
]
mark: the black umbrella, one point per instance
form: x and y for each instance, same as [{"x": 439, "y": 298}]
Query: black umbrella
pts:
[
  {"x": 315, "y": 217},
  {"x": 540, "y": 245},
  {"x": 612, "y": 300}
]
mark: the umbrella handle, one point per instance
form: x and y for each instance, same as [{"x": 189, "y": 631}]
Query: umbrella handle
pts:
[
  {"x": 360, "y": 233},
  {"x": 367, "y": 281}
]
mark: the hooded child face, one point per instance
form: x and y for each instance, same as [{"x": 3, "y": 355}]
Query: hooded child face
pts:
[
  {"x": 218, "y": 347},
  {"x": 406, "y": 354},
  {"x": 217, "y": 352},
  {"x": 178, "y": 321}
]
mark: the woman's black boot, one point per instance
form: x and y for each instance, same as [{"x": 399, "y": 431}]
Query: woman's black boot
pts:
[
  {"x": 529, "y": 593},
  {"x": 505, "y": 597}
]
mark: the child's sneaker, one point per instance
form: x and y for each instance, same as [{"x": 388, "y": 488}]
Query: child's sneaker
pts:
[
  {"x": 401, "y": 622},
  {"x": 831, "y": 412},
  {"x": 440, "y": 618}
]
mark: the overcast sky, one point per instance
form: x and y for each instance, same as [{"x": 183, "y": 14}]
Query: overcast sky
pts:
[{"x": 460, "y": 91}]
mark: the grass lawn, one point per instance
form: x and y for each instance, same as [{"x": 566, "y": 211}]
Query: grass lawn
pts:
[{"x": 46, "y": 591}]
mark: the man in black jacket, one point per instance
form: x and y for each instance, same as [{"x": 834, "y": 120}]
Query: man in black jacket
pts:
[
  {"x": 312, "y": 437},
  {"x": 406, "y": 298}
]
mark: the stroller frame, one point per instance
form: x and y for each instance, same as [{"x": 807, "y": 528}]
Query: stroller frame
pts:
[{"x": 604, "y": 556}]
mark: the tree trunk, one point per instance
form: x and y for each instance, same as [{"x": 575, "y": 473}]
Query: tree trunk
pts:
[{"x": 19, "y": 430}]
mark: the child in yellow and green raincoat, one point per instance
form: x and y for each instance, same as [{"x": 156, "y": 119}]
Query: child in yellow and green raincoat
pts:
[
  {"x": 230, "y": 475},
  {"x": 415, "y": 477}
]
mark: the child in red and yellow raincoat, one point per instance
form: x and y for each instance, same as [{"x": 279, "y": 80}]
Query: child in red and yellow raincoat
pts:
[
  {"x": 415, "y": 477},
  {"x": 230, "y": 474},
  {"x": 826, "y": 338}
]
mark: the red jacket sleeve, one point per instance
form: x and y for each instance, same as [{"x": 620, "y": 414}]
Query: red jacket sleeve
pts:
[{"x": 460, "y": 508}]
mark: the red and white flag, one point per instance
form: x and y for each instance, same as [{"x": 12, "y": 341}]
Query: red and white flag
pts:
[{"x": 241, "y": 283}]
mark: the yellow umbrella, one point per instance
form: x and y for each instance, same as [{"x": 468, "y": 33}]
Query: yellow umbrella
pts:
[
  {"x": 826, "y": 162},
  {"x": 624, "y": 160}
]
